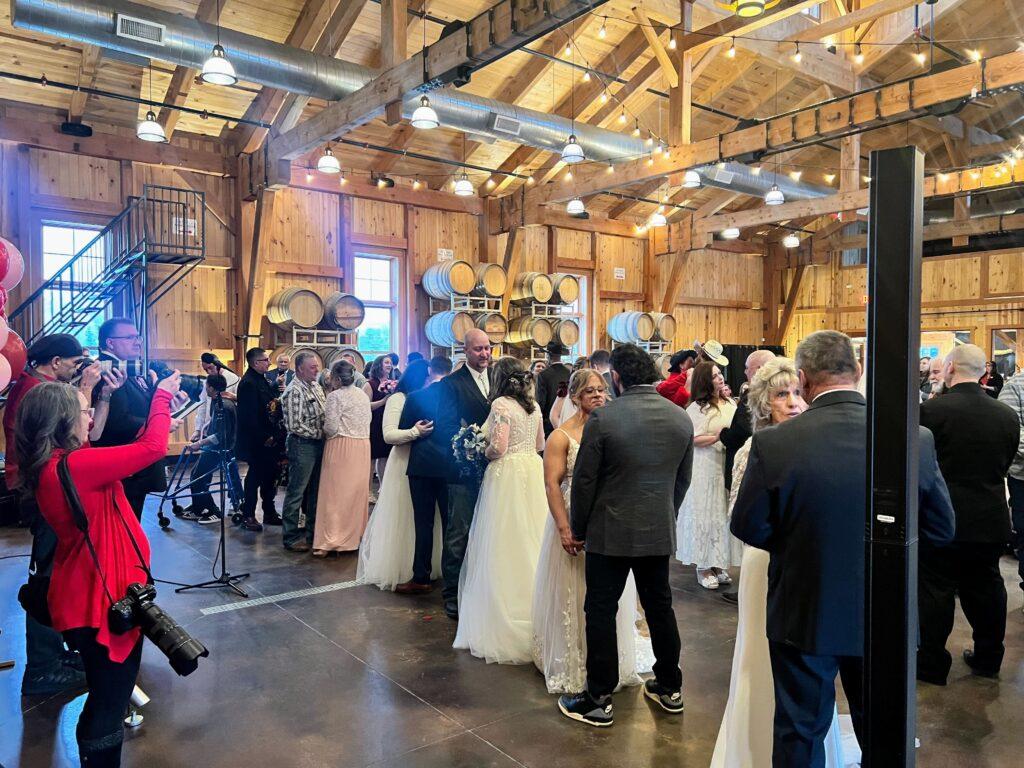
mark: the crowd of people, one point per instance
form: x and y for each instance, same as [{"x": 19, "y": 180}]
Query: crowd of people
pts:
[{"x": 551, "y": 531}]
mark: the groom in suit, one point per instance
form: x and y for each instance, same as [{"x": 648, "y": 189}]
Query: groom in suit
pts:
[
  {"x": 463, "y": 399},
  {"x": 631, "y": 474},
  {"x": 803, "y": 500}
]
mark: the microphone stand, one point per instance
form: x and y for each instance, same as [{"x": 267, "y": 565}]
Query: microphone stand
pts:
[{"x": 225, "y": 579}]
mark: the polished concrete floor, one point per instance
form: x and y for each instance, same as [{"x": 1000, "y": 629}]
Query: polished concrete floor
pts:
[{"x": 351, "y": 676}]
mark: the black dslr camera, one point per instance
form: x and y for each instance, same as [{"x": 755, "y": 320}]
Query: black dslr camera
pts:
[{"x": 137, "y": 609}]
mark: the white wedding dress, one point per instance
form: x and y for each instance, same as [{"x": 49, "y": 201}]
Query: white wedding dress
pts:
[
  {"x": 702, "y": 528},
  {"x": 388, "y": 545},
  {"x": 496, "y": 584},
  {"x": 745, "y": 738},
  {"x": 559, "y": 639}
]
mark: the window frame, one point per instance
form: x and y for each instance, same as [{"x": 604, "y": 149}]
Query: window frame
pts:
[
  {"x": 83, "y": 223},
  {"x": 393, "y": 305}
]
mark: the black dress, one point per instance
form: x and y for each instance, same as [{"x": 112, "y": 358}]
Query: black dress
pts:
[{"x": 378, "y": 448}]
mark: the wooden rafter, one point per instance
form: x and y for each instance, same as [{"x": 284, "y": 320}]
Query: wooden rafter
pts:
[
  {"x": 839, "y": 24},
  {"x": 91, "y": 55},
  {"x": 668, "y": 69},
  {"x": 733, "y": 26},
  {"x": 790, "y": 305},
  {"x": 183, "y": 78}
]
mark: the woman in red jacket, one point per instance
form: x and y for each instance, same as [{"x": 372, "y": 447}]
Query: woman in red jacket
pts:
[
  {"x": 54, "y": 419},
  {"x": 674, "y": 387}
]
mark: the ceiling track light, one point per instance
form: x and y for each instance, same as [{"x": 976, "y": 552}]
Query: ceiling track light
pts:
[{"x": 217, "y": 69}]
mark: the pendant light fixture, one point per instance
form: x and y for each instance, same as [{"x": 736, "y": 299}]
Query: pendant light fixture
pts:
[
  {"x": 691, "y": 180},
  {"x": 775, "y": 196},
  {"x": 790, "y": 241},
  {"x": 425, "y": 116},
  {"x": 217, "y": 69},
  {"x": 747, "y": 9},
  {"x": 730, "y": 233},
  {"x": 657, "y": 219},
  {"x": 463, "y": 186},
  {"x": 328, "y": 163},
  {"x": 572, "y": 152},
  {"x": 149, "y": 129},
  {"x": 575, "y": 207}
]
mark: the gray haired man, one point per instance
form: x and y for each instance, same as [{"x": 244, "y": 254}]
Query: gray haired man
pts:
[{"x": 303, "y": 404}]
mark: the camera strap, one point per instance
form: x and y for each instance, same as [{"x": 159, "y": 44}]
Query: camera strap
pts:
[{"x": 74, "y": 503}]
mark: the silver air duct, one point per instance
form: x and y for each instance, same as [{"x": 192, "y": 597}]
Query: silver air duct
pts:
[
  {"x": 756, "y": 182},
  {"x": 154, "y": 34}
]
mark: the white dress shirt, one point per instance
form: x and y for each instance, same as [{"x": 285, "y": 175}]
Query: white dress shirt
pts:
[{"x": 480, "y": 377}]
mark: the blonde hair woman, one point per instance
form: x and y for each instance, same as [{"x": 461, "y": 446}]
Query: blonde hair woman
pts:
[
  {"x": 559, "y": 644},
  {"x": 745, "y": 738}
]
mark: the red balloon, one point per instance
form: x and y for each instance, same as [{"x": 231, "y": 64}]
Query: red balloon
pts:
[
  {"x": 5, "y": 373},
  {"x": 3, "y": 301},
  {"x": 15, "y": 264},
  {"x": 5, "y": 331},
  {"x": 15, "y": 352}
]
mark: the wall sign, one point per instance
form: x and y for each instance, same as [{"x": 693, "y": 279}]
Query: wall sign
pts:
[
  {"x": 620, "y": 273},
  {"x": 445, "y": 254}
]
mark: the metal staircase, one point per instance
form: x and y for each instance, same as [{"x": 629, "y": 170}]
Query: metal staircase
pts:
[{"x": 165, "y": 226}]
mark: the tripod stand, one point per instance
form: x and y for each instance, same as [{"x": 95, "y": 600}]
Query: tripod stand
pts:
[{"x": 225, "y": 579}]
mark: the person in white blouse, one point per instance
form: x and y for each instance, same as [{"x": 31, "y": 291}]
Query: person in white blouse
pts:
[
  {"x": 343, "y": 499},
  {"x": 386, "y": 555}
]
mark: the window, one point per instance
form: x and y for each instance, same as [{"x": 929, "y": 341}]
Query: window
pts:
[
  {"x": 61, "y": 242},
  {"x": 814, "y": 12},
  {"x": 579, "y": 307},
  {"x": 1007, "y": 343},
  {"x": 376, "y": 284}
]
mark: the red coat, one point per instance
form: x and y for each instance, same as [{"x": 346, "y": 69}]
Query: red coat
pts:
[
  {"x": 25, "y": 382},
  {"x": 674, "y": 388},
  {"x": 76, "y": 596}
]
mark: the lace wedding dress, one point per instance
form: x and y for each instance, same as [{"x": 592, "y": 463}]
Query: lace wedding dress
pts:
[
  {"x": 496, "y": 584},
  {"x": 559, "y": 639},
  {"x": 386, "y": 552}
]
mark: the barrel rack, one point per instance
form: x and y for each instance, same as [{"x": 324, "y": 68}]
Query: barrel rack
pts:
[
  {"x": 546, "y": 311},
  {"x": 652, "y": 347},
  {"x": 472, "y": 305}
]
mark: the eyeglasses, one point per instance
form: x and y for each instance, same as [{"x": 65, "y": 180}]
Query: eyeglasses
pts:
[
  {"x": 90, "y": 412},
  {"x": 133, "y": 337},
  {"x": 594, "y": 390}
]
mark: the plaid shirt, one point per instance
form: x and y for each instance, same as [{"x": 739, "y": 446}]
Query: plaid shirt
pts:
[{"x": 303, "y": 406}]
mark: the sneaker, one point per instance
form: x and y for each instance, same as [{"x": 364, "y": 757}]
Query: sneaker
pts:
[
  {"x": 272, "y": 518},
  {"x": 72, "y": 659},
  {"x": 251, "y": 524},
  {"x": 192, "y": 514},
  {"x": 670, "y": 701},
  {"x": 209, "y": 518},
  {"x": 584, "y": 708},
  {"x": 298, "y": 546},
  {"x": 63, "y": 678}
]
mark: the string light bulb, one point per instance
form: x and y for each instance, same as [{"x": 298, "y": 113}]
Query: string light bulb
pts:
[
  {"x": 829, "y": 178},
  {"x": 604, "y": 97},
  {"x": 795, "y": 175},
  {"x": 974, "y": 55},
  {"x": 586, "y": 77},
  {"x": 344, "y": 180},
  {"x": 622, "y": 117},
  {"x": 636, "y": 130},
  {"x": 529, "y": 181},
  {"x": 610, "y": 169},
  {"x": 568, "y": 48},
  {"x": 731, "y": 53},
  {"x": 798, "y": 57},
  {"x": 657, "y": 219},
  {"x": 416, "y": 185},
  {"x": 858, "y": 56},
  {"x": 672, "y": 43},
  {"x": 603, "y": 31},
  {"x": 919, "y": 56}
]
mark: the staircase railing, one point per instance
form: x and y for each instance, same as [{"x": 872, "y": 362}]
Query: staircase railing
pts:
[{"x": 163, "y": 226}]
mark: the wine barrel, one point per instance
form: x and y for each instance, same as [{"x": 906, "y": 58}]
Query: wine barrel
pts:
[
  {"x": 529, "y": 331},
  {"x": 662, "y": 363},
  {"x": 293, "y": 307},
  {"x": 292, "y": 351},
  {"x": 664, "y": 326},
  {"x": 334, "y": 355},
  {"x": 532, "y": 287},
  {"x": 443, "y": 279},
  {"x": 343, "y": 312},
  {"x": 566, "y": 288},
  {"x": 631, "y": 327},
  {"x": 446, "y": 329},
  {"x": 494, "y": 325},
  {"x": 566, "y": 332},
  {"x": 491, "y": 280}
]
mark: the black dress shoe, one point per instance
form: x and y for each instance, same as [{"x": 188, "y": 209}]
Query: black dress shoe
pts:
[
  {"x": 272, "y": 518},
  {"x": 251, "y": 524},
  {"x": 451, "y": 610},
  {"x": 976, "y": 668},
  {"x": 731, "y": 597}
]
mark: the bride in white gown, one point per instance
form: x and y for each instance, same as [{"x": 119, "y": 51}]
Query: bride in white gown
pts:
[
  {"x": 559, "y": 641},
  {"x": 386, "y": 551},
  {"x": 745, "y": 738},
  {"x": 496, "y": 584}
]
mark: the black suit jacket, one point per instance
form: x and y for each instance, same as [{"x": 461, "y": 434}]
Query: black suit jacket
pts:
[
  {"x": 610, "y": 384},
  {"x": 632, "y": 472},
  {"x": 428, "y": 456},
  {"x": 460, "y": 401},
  {"x": 255, "y": 425},
  {"x": 547, "y": 388},
  {"x": 735, "y": 435},
  {"x": 803, "y": 499},
  {"x": 976, "y": 438},
  {"x": 129, "y": 410}
]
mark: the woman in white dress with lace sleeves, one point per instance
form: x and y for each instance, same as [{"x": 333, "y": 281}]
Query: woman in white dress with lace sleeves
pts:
[
  {"x": 559, "y": 639},
  {"x": 496, "y": 583},
  {"x": 386, "y": 554},
  {"x": 745, "y": 738}
]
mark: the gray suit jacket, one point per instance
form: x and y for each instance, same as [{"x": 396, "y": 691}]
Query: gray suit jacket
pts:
[{"x": 631, "y": 474}]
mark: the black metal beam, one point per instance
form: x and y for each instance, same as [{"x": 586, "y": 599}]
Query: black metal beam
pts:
[{"x": 890, "y": 567}]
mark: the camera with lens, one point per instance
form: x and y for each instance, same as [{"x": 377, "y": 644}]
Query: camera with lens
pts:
[
  {"x": 138, "y": 609},
  {"x": 190, "y": 385}
]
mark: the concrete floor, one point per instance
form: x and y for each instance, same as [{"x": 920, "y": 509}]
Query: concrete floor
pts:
[{"x": 356, "y": 677}]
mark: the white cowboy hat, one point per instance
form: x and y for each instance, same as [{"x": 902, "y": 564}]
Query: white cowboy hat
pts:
[{"x": 713, "y": 351}]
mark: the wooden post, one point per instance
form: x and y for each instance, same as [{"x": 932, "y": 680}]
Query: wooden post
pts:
[
  {"x": 680, "y": 98},
  {"x": 393, "y": 46},
  {"x": 849, "y": 169}
]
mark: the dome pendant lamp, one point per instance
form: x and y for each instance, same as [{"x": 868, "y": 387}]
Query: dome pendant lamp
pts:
[{"x": 217, "y": 69}]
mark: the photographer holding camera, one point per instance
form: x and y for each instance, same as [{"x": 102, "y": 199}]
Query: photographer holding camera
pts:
[{"x": 101, "y": 589}]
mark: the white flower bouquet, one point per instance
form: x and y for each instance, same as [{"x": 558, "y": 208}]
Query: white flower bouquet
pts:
[{"x": 468, "y": 447}]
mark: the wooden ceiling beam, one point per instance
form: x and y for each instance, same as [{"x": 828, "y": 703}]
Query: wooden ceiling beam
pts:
[
  {"x": 394, "y": 46},
  {"x": 657, "y": 47},
  {"x": 184, "y": 78},
  {"x": 87, "y": 69},
  {"x": 733, "y": 26},
  {"x": 835, "y": 26},
  {"x": 624, "y": 206}
]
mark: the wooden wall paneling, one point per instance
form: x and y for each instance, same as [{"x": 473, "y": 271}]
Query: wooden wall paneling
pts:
[
  {"x": 613, "y": 252},
  {"x": 533, "y": 243},
  {"x": 373, "y": 217},
  {"x": 303, "y": 229},
  {"x": 573, "y": 249},
  {"x": 1006, "y": 273},
  {"x": 59, "y": 174},
  {"x": 430, "y": 230}
]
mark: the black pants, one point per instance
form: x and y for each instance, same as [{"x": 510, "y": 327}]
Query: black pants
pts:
[
  {"x": 100, "y": 728},
  {"x": 1017, "y": 514},
  {"x": 260, "y": 480},
  {"x": 805, "y": 697},
  {"x": 429, "y": 497},
  {"x": 606, "y": 578},
  {"x": 970, "y": 570},
  {"x": 461, "y": 506},
  {"x": 44, "y": 647},
  {"x": 200, "y": 477}
]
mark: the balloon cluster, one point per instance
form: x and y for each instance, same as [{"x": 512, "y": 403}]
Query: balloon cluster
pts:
[{"x": 13, "y": 354}]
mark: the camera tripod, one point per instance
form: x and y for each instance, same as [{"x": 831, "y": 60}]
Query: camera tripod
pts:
[{"x": 224, "y": 468}]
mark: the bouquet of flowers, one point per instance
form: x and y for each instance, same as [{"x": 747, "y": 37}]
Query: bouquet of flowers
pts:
[
  {"x": 468, "y": 446},
  {"x": 387, "y": 385}
]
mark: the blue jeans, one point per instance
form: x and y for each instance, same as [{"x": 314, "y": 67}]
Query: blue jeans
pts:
[
  {"x": 304, "y": 457},
  {"x": 461, "y": 505},
  {"x": 1017, "y": 515},
  {"x": 203, "y": 473}
]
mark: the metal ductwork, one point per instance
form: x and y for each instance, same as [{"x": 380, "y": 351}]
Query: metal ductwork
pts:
[{"x": 154, "y": 34}]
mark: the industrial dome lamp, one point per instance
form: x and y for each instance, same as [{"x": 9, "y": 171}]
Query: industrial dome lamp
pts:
[
  {"x": 575, "y": 207},
  {"x": 747, "y": 9},
  {"x": 328, "y": 163},
  {"x": 217, "y": 69},
  {"x": 425, "y": 116}
]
